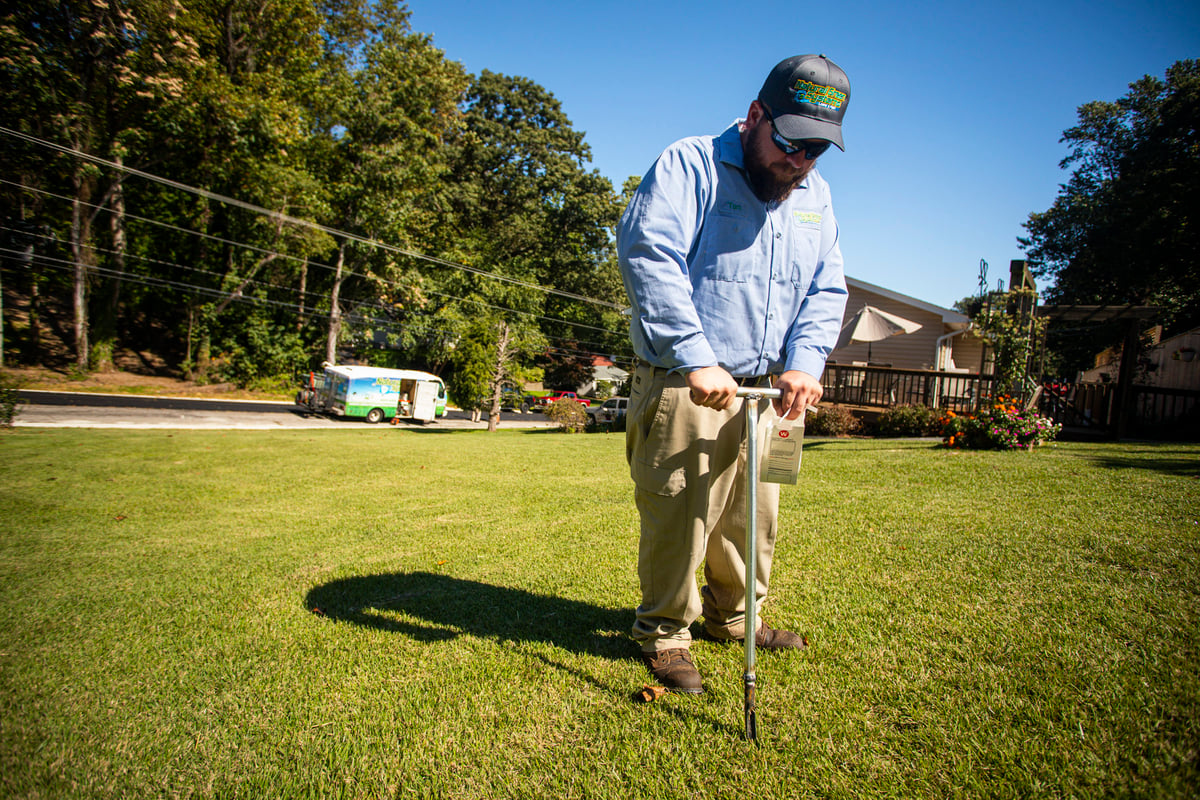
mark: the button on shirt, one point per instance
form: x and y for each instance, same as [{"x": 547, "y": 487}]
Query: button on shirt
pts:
[{"x": 717, "y": 277}]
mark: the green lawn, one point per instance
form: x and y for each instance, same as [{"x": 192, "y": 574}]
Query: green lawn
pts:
[{"x": 401, "y": 613}]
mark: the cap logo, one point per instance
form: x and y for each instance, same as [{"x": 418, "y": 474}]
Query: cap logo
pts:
[{"x": 818, "y": 95}]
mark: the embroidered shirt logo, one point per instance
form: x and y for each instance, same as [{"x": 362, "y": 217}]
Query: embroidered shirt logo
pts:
[
  {"x": 807, "y": 217},
  {"x": 824, "y": 96}
]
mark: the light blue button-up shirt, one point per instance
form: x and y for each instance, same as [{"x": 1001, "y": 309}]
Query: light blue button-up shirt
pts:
[{"x": 717, "y": 277}]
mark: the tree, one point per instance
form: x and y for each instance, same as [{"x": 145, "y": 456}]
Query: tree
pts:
[
  {"x": 390, "y": 105},
  {"x": 527, "y": 209},
  {"x": 1125, "y": 228}
]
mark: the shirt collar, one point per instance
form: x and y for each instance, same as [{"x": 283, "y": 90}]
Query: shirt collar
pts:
[{"x": 730, "y": 144}]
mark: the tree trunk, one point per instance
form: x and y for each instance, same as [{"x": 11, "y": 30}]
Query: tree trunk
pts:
[
  {"x": 498, "y": 375},
  {"x": 300, "y": 310},
  {"x": 80, "y": 235},
  {"x": 335, "y": 313},
  {"x": 35, "y": 309},
  {"x": 104, "y": 334}
]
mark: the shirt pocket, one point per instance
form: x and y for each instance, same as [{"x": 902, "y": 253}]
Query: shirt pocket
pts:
[
  {"x": 806, "y": 247},
  {"x": 728, "y": 247}
]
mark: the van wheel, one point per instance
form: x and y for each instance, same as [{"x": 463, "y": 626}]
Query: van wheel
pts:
[{"x": 375, "y": 415}]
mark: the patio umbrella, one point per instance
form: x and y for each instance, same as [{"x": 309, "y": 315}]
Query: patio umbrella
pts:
[{"x": 871, "y": 324}]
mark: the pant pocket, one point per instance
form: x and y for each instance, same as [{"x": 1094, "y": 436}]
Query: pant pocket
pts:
[{"x": 663, "y": 481}]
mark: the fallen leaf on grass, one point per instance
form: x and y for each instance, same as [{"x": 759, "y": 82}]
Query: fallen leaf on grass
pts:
[{"x": 648, "y": 694}]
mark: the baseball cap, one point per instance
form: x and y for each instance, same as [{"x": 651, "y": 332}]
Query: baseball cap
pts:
[{"x": 807, "y": 96}]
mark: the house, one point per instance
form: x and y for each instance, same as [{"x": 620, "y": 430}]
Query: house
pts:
[
  {"x": 603, "y": 369},
  {"x": 945, "y": 341},
  {"x": 1168, "y": 364}
]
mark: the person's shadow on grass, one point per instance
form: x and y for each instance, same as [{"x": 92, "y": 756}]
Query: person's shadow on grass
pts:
[
  {"x": 433, "y": 608},
  {"x": 430, "y": 607}
]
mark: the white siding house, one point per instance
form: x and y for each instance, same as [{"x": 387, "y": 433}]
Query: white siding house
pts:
[{"x": 944, "y": 342}]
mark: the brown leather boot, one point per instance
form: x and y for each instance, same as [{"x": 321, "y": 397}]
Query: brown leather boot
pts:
[
  {"x": 674, "y": 669},
  {"x": 775, "y": 639},
  {"x": 767, "y": 638}
]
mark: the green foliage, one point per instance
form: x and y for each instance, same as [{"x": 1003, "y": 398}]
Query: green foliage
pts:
[
  {"x": 909, "y": 421},
  {"x": 1000, "y": 425},
  {"x": 258, "y": 351},
  {"x": 1124, "y": 228},
  {"x": 1012, "y": 331},
  {"x": 10, "y": 401},
  {"x": 831, "y": 421},
  {"x": 568, "y": 414},
  {"x": 327, "y": 114}
]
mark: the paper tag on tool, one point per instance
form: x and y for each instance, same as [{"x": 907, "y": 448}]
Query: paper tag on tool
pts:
[{"x": 784, "y": 447}]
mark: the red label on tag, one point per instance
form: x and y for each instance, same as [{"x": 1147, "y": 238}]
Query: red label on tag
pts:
[{"x": 784, "y": 434}]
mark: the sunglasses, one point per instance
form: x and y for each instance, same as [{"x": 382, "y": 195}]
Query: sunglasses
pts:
[{"x": 812, "y": 149}]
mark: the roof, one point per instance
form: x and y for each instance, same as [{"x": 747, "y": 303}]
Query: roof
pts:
[
  {"x": 362, "y": 371},
  {"x": 1105, "y": 313},
  {"x": 955, "y": 320}
]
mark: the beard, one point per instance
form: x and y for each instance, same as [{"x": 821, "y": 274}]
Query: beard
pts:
[{"x": 770, "y": 184}]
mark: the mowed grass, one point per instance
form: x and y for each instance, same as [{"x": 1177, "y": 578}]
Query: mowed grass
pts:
[{"x": 396, "y": 613}]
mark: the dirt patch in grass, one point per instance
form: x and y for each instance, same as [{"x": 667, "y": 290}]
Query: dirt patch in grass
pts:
[{"x": 127, "y": 382}]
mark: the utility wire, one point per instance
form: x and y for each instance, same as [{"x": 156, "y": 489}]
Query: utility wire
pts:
[
  {"x": 290, "y": 220},
  {"x": 264, "y": 251},
  {"x": 308, "y": 311},
  {"x": 417, "y": 326}
]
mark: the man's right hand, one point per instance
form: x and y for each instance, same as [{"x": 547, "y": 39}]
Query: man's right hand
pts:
[{"x": 712, "y": 387}]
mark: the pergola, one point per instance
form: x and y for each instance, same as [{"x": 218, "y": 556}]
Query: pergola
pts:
[{"x": 1131, "y": 315}]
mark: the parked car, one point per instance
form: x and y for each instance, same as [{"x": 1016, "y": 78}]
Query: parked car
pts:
[
  {"x": 610, "y": 410},
  {"x": 519, "y": 402},
  {"x": 546, "y": 400}
]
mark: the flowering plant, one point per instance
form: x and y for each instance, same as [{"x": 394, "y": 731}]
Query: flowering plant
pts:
[{"x": 1002, "y": 425}]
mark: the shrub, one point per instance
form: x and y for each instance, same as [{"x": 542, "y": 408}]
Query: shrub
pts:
[
  {"x": 1001, "y": 426},
  {"x": 830, "y": 421},
  {"x": 909, "y": 421},
  {"x": 9, "y": 400},
  {"x": 568, "y": 414}
]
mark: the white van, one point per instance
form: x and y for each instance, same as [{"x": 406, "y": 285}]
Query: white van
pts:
[{"x": 375, "y": 394}]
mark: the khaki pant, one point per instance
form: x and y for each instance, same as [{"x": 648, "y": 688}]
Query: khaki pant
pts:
[{"x": 688, "y": 467}]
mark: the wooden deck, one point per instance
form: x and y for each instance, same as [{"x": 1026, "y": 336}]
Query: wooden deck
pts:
[{"x": 870, "y": 388}]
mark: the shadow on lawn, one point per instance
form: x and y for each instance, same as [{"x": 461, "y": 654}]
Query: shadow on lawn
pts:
[
  {"x": 430, "y": 607},
  {"x": 433, "y": 608},
  {"x": 1165, "y": 458}
]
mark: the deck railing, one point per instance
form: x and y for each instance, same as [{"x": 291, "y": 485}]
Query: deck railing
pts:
[
  {"x": 1156, "y": 412},
  {"x": 885, "y": 387}
]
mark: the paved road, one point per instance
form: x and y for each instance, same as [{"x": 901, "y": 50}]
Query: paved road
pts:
[{"x": 88, "y": 410}]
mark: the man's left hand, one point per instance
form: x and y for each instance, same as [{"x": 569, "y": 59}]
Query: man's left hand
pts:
[{"x": 798, "y": 390}]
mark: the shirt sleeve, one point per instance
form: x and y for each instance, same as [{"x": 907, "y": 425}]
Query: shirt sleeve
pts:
[
  {"x": 814, "y": 331},
  {"x": 654, "y": 238}
]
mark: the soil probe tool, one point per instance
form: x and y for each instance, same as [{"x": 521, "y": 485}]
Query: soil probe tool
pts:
[{"x": 752, "y": 396}]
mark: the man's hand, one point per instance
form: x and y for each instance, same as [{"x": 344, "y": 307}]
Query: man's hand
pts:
[
  {"x": 798, "y": 391},
  {"x": 712, "y": 387}
]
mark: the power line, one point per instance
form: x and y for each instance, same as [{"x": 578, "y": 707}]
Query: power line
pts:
[
  {"x": 222, "y": 294},
  {"x": 418, "y": 326},
  {"x": 290, "y": 220}
]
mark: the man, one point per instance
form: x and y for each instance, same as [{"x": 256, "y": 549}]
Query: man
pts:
[{"x": 729, "y": 254}]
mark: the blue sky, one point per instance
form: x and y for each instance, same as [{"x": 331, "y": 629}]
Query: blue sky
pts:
[{"x": 956, "y": 109}]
